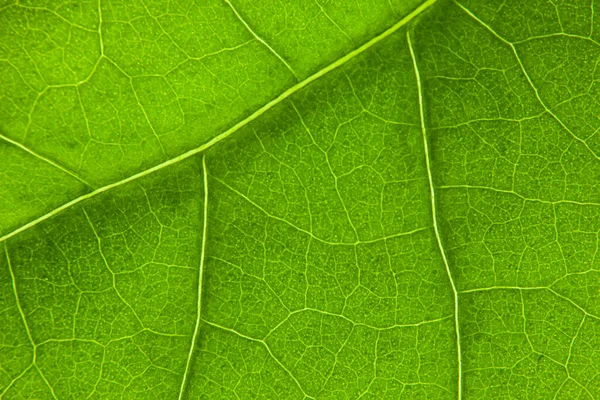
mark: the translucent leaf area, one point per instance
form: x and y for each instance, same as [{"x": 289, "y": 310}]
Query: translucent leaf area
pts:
[{"x": 281, "y": 199}]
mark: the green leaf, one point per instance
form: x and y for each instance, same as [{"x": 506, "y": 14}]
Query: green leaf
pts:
[{"x": 279, "y": 199}]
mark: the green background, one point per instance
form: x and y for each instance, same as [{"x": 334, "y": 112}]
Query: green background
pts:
[{"x": 300, "y": 199}]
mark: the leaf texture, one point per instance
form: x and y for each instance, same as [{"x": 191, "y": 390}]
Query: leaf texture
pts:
[{"x": 303, "y": 200}]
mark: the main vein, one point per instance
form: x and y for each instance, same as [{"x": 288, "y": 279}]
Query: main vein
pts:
[
  {"x": 434, "y": 216},
  {"x": 186, "y": 373},
  {"x": 235, "y": 127}
]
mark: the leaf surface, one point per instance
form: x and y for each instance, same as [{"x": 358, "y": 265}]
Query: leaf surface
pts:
[{"x": 232, "y": 199}]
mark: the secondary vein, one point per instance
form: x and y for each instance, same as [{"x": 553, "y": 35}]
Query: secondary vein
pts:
[
  {"x": 47, "y": 160},
  {"x": 17, "y": 300},
  {"x": 528, "y": 78},
  {"x": 434, "y": 216},
  {"x": 186, "y": 373},
  {"x": 26, "y": 325},
  {"x": 235, "y": 127},
  {"x": 272, "y": 50}
]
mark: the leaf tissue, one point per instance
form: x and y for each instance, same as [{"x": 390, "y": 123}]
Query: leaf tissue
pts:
[{"x": 281, "y": 199}]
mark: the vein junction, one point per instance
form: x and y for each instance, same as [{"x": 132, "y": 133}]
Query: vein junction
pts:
[{"x": 234, "y": 128}]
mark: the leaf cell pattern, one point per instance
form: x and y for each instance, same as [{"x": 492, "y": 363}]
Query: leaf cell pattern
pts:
[{"x": 303, "y": 200}]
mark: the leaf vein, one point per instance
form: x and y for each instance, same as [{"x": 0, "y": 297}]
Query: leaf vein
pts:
[
  {"x": 283, "y": 96},
  {"x": 434, "y": 216},
  {"x": 528, "y": 78},
  {"x": 272, "y": 50},
  {"x": 45, "y": 159},
  {"x": 266, "y": 346},
  {"x": 186, "y": 373}
]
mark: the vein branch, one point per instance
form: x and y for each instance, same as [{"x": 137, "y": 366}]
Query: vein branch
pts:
[
  {"x": 186, "y": 373},
  {"x": 283, "y": 96},
  {"x": 45, "y": 159},
  {"x": 27, "y": 329},
  {"x": 272, "y": 50},
  {"x": 266, "y": 346},
  {"x": 434, "y": 216},
  {"x": 45, "y": 381},
  {"x": 548, "y": 288},
  {"x": 112, "y": 272},
  {"x": 310, "y": 233},
  {"x": 528, "y": 78},
  {"x": 18, "y": 302}
]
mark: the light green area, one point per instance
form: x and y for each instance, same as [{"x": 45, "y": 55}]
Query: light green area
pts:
[{"x": 280, "y": 199}]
